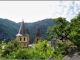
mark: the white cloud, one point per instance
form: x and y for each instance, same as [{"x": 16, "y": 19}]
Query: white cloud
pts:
[{"x": 77, "y": 2}]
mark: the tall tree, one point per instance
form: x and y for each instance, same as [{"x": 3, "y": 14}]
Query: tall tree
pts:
[
  {"x": 13, "y": 45},
  {"x": 58, "y": 30},
  {"x": 74, "y": 29}
]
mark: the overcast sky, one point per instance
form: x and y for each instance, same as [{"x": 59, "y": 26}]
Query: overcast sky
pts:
[{"x": 32, "y": 11}]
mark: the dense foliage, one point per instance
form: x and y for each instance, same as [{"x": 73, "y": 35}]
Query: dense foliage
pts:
[
  {"x": 61, "y": 48},
  {"x": 41, "y": 50},
  {"x": 69, "y": 30},
  {"x": 10, "y": 47},
  {"x": 58, "y": 30},
  {"x": 74, "y": 30}
]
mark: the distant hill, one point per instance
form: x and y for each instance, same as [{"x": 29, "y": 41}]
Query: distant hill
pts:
[{"x": 9, "y": 29}]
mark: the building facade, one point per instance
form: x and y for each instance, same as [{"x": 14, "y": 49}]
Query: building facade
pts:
[
  {"x": 23, "y": 36},
  {"x": 38, "y": 36}
]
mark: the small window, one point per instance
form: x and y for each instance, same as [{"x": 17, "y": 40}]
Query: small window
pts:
[
  {"x": 24, "y": 39},
  {"x": 37, "y": 39},
  {"x": 20, "y": 39}
]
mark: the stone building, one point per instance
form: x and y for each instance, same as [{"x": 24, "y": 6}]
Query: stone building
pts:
[
  {"x": 54, "y": 41},
  {"x": 65, "y": 40},
  {"x": 23, "y": 36},
  {"x": 38, "y": 36}
]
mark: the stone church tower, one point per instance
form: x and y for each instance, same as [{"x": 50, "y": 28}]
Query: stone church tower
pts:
[
  {"x": 38, "y": 36},
  {"x": 23, "y": 36}
]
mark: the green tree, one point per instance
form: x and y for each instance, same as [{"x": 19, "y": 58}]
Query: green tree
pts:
[
  {"x": 74, "y": 30},
  {"x": 2, "y": 46},
  {"x": 25, "y": 53},
  {"x": 41, "y": 50},
  {"x": 58, "y": 30},
  {"x": 61, "y": 48},
  {"x": 13, "y": 45}
]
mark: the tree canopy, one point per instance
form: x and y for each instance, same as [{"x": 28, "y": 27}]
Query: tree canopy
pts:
[
  {"x": 63, "y": 28},
  {"x": 58, "y": 30},
  {"x": 74, "y": 30}
]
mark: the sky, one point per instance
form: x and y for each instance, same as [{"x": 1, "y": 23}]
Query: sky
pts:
[{"x": 32, "y": 11}]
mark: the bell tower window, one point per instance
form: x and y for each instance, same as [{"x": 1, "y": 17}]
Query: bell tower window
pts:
[
  {"x": 37, "y": 39},
  {"x": 24, "y": 39},
  {"x": 20, "y": 39}
]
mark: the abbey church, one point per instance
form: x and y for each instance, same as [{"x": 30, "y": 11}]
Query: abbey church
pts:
[{"x": 23, "y": 36}]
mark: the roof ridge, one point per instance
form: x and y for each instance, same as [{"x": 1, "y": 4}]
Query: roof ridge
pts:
[{"x": 22, "y": 29}]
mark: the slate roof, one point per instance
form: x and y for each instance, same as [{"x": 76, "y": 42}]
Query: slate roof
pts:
[
  {"x": 22, "y": 30},
  {"x": 27, "y": 31},
  {"x": 38, "y": 34}
]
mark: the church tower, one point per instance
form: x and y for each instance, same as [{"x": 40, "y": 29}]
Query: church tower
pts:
[
  {"x": 38, "y": 36},
  {"x": 23, "y": 36}
]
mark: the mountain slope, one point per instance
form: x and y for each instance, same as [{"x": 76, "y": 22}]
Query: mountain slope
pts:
[{"x": 9, "y": 29}]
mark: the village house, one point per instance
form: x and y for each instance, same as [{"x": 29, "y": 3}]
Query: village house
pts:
[
  {"x": 38, "y": 36},
  {"x": 65, "y": 40}
]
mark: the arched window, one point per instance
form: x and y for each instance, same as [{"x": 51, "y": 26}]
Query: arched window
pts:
[
  {"x": 20, "y": 39},
  {"x": 24, "y": 39}
]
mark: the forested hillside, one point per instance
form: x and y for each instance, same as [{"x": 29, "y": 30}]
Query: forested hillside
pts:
[{"x": 9, "y": 29}]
